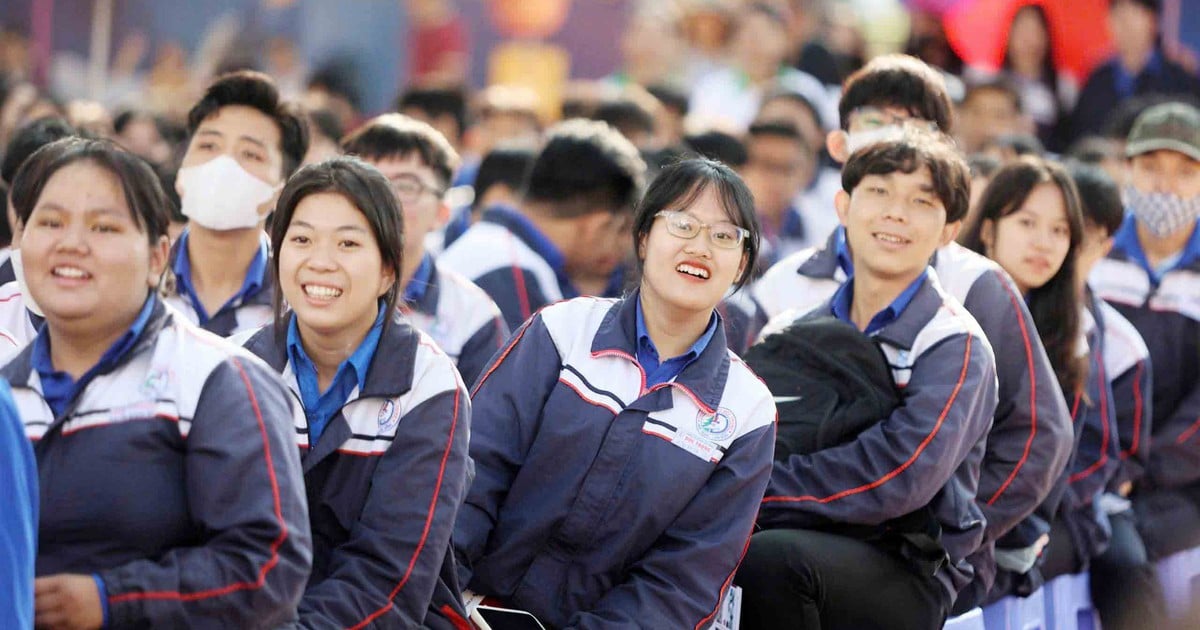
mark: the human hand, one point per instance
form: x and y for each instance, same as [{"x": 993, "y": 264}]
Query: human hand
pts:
[{"x": 67, "y": 602}]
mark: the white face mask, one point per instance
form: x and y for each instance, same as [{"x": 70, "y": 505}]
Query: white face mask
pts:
[
  {"x": 221, "y": 195},
  {"x": 19, "y": 272},
  {"x": 860, "y": 139}
]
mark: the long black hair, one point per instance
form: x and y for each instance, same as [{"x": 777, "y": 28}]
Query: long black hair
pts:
[
  {"x": 1055, "y": 306},
  {"x": 366, "y": 189}
]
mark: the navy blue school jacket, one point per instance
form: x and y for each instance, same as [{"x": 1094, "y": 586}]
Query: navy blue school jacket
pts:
[
  {"x": 502, "y": 257},
  {"x": 926, "y": 453},
  {"x": 243, "y": 314},
  {"x": 1166, "y": 311},
  {"x": 174, "y": 477},
  {"x": 461, "y": 319},
  {"x": 384, "y": 483},
  {"x": 598, "y": 501},
  {"x": 1031, "y": 438},
  {"x": 1130, "y": 377}
]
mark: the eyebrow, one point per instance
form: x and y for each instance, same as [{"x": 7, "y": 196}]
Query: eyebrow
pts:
[
  {"x": 250, "y": 139},
  {"x": 343, "y": 228}
]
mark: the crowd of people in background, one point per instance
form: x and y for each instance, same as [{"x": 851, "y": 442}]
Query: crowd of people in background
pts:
[{"x": 271, "y": 361}]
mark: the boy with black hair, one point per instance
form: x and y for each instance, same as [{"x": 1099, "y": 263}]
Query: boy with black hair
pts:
[
  {"x": 245, "y": 142},
  {"x": 419, "y": 162},
  {"x": 989, "y": 110},
  {"x": 901, "y": 201},
  {"x": 1124, "y": 583},
  {"x": 570, "y": 227},
  {"x": 445, "y": 109},
  {"x": 780, "y": 164},
  {"x": 1031, "y": 437},
  {"x": 500, "y": 180}
]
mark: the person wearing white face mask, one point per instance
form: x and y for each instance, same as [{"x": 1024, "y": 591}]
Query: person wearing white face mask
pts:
[
  {"x": 1152, "y": 277},
  {"x": 245, "y": 142}
]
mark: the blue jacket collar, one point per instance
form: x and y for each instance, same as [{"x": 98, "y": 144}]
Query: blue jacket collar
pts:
[
  {"x": 903, "y": 330},
  {"x": 824, "y": 262},
  {"x": 1127, "y": 246},
  {"x": 704, "y": 379},
  {"x": 257, "y": 288},
  {"x": 520, "y": 226}
]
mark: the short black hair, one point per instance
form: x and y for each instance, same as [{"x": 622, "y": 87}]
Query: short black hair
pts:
[
  {"x": 629, "y": 113},
  {"x": 1094, "y": 150},
  {"x": 397, "y": 135},
  {"x": 148, "y": 204},
  {"x": 1152, "y": 5},
  {"x": 326, "y": 123},
  {"x": 995, "y": 84},
  {"x": 1099, "y": 196},
  {"x": 983, "y": 165},
  {"x": 677, "y": 187},
  {"x": 777, "y": 129},
  {"x": 256, "y": 90},
  {"x": 29, "y": 138},
  {"x": 366, "y": 189},
  {"x": 901, "y": 81},
  {"x": 785, "y": 94},
  {"x": 585, "y": 164},
  {"x": 671, "y": 97},
  {"x": 1018, "y": 143},
  {"x": 719, "y": 146},
  {"x": 907, "y": 154},
  {"x": 436, "y": 102},
  {"x": 506, "y": 165}
]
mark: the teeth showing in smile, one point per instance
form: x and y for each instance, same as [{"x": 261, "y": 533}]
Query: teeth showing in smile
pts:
[
  {"x": 693, "y": 271},
  {"x": 318, "y": 291},
  {"x": 888, "y": 238},
  {"x": 70, "y": 272}
]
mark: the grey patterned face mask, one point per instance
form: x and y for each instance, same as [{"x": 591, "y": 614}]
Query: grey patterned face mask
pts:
[{"x": 1162, "y": 213}]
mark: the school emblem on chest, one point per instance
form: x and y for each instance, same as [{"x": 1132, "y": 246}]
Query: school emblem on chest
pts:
[
  {"x": 716, "y": 426},
  {"x": 388, "y": 416}
]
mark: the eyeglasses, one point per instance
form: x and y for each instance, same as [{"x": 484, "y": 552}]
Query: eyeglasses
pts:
[
  {"x": 874, "y": 118},
  {"x": 723, "y": 235},
  {"x": 410, "y": 187}
]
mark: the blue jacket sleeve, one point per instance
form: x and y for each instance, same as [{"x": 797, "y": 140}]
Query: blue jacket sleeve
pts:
[
  {"x": 1031, "y": 438},
  {"x": 1133, "y": 397},
  {"x": 507, "y": 406},
  {"x": 18, "y": 518},
  {"x": 245, "y": 488},
  {"x": 681, "y": 581},
  {"x": 1175, "y": 452},
  {"x": 900, "y": 463},
  {"x": 516, "y": 291},
  {"x": 389, "y": 566},
  {"x": 480, "y": 348}
]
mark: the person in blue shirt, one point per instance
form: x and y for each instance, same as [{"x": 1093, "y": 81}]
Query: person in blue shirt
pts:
[
  {"x": 245, "y": 141},
  {"x": 18, "y": 521},
  {"x": 569, "y": 233},
  {"x": 383, "y": 439},
  {"x": 620, "y": 449},
  {"x": 1152, "y": 277},
  {"x": 171, "y": 493},
  {"x": 834, "y": 553},
  {"x": 418, "y": 163}
]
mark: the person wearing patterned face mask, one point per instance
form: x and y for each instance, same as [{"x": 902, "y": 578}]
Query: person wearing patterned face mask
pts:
[
  {"x": 1152, "y": 276},
  {"x": 245, "y": 142}
]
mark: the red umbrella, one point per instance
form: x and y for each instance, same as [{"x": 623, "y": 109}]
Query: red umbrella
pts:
[{"x": 978, "y": 32}]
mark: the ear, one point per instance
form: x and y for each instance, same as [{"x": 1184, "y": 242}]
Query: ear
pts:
[
  {"x": 389, "y": 278},
  {"x": 987, "y": 234},
  {"x": 160, "y": 252},
  {"x": 841, "y": 202},
  {"x": 443, "y": 215},
  {"x": 837, "y": 142},
  {"x": 950, "y": 232},
  {"x": 742, "y": 265}
]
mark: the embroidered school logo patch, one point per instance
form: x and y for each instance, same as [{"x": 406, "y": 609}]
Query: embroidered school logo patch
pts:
[
  {"x": 388, "y": 418},
  {"x": 716, "y": 426}
]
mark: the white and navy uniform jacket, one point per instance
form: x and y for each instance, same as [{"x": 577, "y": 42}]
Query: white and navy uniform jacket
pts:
[
  {"x": 1031, "y": 438},
  {"x": 173, "y": 476},
  {"x": 506, "y": 256},
  {"x": 251, "y": 308},
  {"x": 458, "y": 315},
  {"x": 384, "y": 483},
  {"x": 1130, "y": 378},
  {"x": 20, "y": 324},
  {"x": 926, "y": 453},
  {"x": 600, "y": 502},
  {"x": 1166, "y": 311}
]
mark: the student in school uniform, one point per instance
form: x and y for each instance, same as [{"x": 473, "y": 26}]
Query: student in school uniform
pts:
[
  {"x": 171, "y": 491},
  {"x": 418, "y": 163},
  {"x": 620, "y": 449},
  {"x": 1125, "y": 586},
  {"x": 1031, "y": 436},
  {"x": 569, "y": 233},
  {"x": 902, "y": 200},
  {"x": 245, "y": 141},
  {"x": 1031, "y": 224},
  {"x": 383, "y": 439}
]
